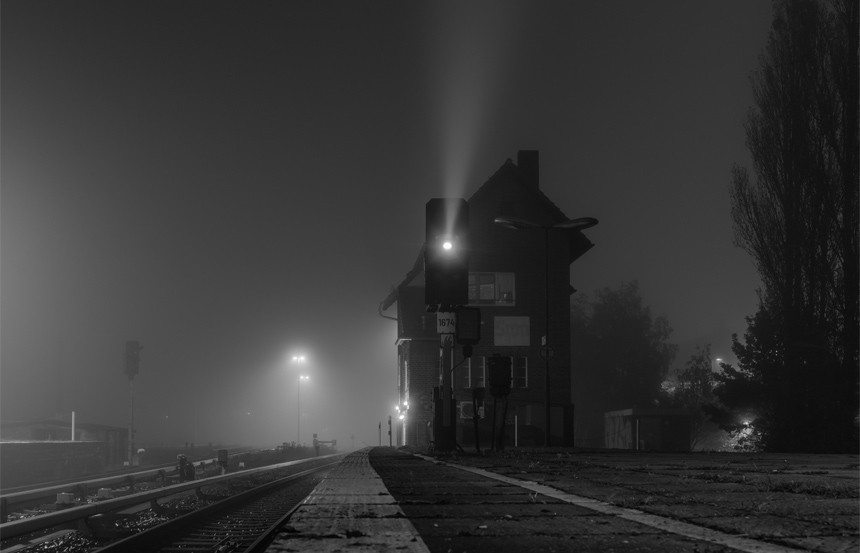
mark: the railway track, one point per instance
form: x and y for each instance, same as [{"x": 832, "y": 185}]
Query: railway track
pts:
[
  {"x": 223, "y": 514},
  {"x": 240, "y": 523}
]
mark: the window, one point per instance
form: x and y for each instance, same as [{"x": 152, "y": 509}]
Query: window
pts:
[
  {"x": 521, "y": 373},
  {"x": 481, "y": 372},
  {"x": 466, "y": 373},
  {"x": 491, "y": 289}
]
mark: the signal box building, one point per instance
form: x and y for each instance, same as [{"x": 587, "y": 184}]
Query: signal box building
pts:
[{"x": 508, "y": 270}]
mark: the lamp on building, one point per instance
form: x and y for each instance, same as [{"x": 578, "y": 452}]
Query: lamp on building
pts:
[{"x": 516, "y": 223}]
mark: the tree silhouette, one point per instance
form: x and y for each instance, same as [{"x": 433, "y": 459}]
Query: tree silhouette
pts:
[
  {"x": 797, "y": 216},
  {"x": 620, "y": 354}
]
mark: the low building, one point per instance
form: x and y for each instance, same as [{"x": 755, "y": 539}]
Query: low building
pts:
[
  {"x": 41, "y": 451},
  {"x": 520, "y": 279},
  {"x": 648, "y": 429}
]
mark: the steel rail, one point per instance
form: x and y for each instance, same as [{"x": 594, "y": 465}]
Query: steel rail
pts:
[
  {"x": 182, "y": 523},
  {"x": 27, "y": 525}
]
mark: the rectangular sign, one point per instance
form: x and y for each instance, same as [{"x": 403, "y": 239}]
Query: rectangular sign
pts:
[
  {"x": 445, "y": 322},
  {"x": 511, "y": 331}
]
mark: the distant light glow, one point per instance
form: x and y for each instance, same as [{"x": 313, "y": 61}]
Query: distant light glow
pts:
[{"x": 447, "y": 245}]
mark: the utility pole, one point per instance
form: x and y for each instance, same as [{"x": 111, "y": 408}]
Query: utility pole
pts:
[
  {"x": 132, "y": 367},
  {"x": 446, "y": 439}
]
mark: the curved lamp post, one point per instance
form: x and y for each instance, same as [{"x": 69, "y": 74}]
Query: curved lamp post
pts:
[{"x": 516, "y": 223}]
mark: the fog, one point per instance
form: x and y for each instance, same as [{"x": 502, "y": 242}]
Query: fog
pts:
[{"x": 234, "y": 186}]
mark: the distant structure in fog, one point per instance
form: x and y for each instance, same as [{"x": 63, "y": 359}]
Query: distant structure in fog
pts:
[
  {"x": 507, "y": 282},
  {"x": 40, "y": 451}
]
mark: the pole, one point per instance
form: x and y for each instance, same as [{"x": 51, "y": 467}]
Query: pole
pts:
[
  {"x": 380, "y": 433},
  {"x": 445, "y": 442},
  {"x": 546, "y": 440},
  {"x": 73, "y": 426},
  {"x": 130, "y": 418},
  {"x": 299, "y": 414}
]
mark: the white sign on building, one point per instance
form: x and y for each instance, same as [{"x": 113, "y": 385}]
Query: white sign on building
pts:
[{"x": 511, "y": 331}]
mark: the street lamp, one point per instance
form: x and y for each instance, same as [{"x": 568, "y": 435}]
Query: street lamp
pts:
[
  {"x": 299, "y": 359},
  {"x": 299, "y": 407},
  {"x": 516, "y": 223}
]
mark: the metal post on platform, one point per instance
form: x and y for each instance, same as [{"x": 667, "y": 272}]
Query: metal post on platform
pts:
[
  {"x": 546, "y": 345},
  {"x": 446, "y": 441}
]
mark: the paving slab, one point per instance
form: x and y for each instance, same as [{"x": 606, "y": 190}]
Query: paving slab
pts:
[
  {"x": 383, "y": 499},
  {"x": 691, "y": 502},
  {"x": 350, "y": 510}
]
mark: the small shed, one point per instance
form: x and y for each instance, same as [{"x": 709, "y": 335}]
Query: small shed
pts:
[{"x": 648, "y": 429}]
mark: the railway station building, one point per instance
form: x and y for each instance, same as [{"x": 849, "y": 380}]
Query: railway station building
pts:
[{"x": 509, "y": 271}]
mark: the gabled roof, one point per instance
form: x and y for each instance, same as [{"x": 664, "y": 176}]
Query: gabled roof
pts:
[
  {"x": 416, "y": 270},
  {"x": 531, "y": 187},
  {"x": 509, "y": 171}
]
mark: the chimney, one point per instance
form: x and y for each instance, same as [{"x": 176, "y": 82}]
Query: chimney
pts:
[{"x": 527, "y": 161}]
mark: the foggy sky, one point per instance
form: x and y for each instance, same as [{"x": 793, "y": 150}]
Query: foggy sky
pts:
[{"x": 234, "y": 185}]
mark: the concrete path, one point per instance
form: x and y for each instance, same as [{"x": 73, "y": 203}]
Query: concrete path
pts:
[
  {"x": 350, "y": 510},
  {"x": 382, "y": 499}
]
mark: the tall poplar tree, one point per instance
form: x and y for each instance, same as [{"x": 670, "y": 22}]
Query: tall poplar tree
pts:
[{"x": 796, "y": 214}]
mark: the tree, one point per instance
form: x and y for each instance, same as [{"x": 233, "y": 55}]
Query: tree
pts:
[
  {"x": 620, "y": 353},
  {"x": 692, "y": 388},
  {"x": 797, "y": 217}
]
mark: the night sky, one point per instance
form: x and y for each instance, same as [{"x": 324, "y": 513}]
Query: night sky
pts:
[{"x": 236, "y": 184}]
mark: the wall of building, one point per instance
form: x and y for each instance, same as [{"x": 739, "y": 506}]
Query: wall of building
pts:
[
  {"x": 421, "y": 359},
  {"x": 35, "y": 462},
  {"x": 541, "y": 262}
]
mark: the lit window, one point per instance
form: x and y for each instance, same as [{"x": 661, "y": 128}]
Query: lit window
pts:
[{"x": 491, "y": 289}]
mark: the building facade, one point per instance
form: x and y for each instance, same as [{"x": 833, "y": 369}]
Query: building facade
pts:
[{"x": 510, "y": 271}]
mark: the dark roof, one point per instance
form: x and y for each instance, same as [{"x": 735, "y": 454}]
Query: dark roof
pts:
[
  {"x": 579, "y": 243},
  {"x": 511, "y": 168}
]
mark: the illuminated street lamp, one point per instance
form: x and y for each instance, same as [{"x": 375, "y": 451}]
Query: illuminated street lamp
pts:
[
  {"x": 516, "y": 223},
  {"x": 299, "y": 359}
]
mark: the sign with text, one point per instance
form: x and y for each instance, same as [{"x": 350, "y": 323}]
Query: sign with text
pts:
[
  {"x": 511, "y": 331},
  {"x": 445, "y": 322}
]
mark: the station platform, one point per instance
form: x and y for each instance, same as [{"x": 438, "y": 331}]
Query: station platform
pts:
[{"x": 384, "y": 499}]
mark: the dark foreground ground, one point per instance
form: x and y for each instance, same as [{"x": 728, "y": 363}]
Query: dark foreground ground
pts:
[{"x": 626, "y": 500}]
